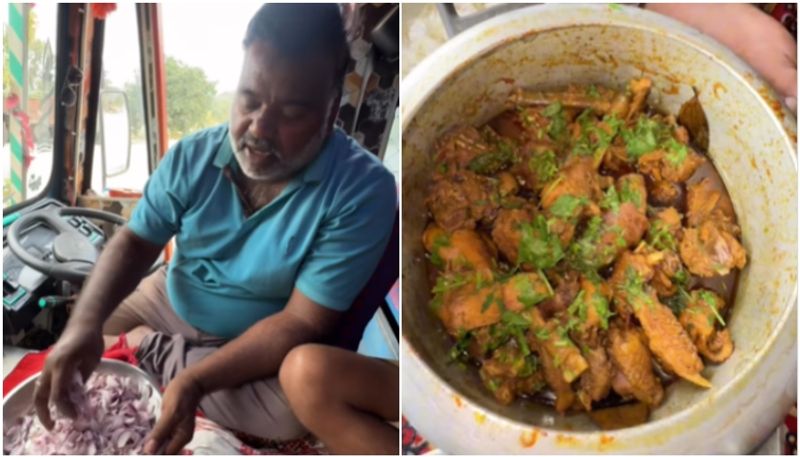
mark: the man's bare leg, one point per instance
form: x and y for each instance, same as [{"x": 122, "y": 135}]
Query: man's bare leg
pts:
[{"x": 344, "y": 398}]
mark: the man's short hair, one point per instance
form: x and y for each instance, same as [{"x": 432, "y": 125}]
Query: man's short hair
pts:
[{"x": 301, "y": 29}]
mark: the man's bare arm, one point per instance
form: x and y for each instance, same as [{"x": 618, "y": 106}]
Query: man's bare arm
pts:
[{"x": 124, "y": 261}]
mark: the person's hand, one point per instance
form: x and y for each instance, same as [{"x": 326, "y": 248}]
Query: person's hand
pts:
[
  {"x": 758, "y": 39},
  {"x": 79, "y": 348},
  {"x": 175, "y": 427}
]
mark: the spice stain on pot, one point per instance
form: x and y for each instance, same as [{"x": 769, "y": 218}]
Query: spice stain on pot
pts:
[{"x": 528, "y": 439}]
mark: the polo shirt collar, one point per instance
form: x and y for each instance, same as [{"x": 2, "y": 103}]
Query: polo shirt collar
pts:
[{"x": 314, "y": 172}]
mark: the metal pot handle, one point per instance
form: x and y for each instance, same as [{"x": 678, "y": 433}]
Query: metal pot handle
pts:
[{"x": 455, "y": 24}]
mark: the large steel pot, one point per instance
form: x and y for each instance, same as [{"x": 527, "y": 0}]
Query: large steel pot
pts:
[{"x": 752, "y": 143}]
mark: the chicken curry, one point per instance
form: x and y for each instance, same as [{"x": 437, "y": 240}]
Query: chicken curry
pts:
[{"x": 583, "y": 249}]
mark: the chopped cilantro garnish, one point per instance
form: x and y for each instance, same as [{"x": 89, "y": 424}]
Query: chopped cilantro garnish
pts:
[
  {"x": 564, "y": 207},
  {"x": 542, "y": 333},
  {"x": 676, "y": 152},
  {"x": 592, "y": 92},
  {"x": 544, "y": 165},
  {"x": 681, "y": 277},
  {"x": 539, "y": 246},
  {"x": 488, "y": 302},
  {"x": 600, "y": 304},
  {"x": 529, "y": 366},
  {"x": 611, "y": 200},
  {"x": 677, "y": 302},
  {"x": 527, "y": 293},
  {"x": 439, "y": 242},
  {"x": 644, "y": 137},
  {"x": 578, "y": 307},
  {"x": 494, "y": 161},
  {"x": 582, "y": 252},
  {"x": 633, "y": 286},
  {"x": 444, "y": 284},
  {"x": 711, "y": 301},
  {"x": 515, "y": 319},
  {"x": 558, "y": 122},
  {"x": 458, "y": 352},
  {"x": 629, "y": 194},
  {"x": 660, "y": 237}
]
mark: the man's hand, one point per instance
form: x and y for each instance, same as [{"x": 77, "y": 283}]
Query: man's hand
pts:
[
  {"x": 757, "y": 38},
  {"x": 79, "y": 348},
  {"x": 175, "y": 428}
]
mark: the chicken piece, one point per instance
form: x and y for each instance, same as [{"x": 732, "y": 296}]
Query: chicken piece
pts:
[
  {"x": 629, "y": 222},
  {"x": 665, "y": 193},
  {"x": 616, "y": 159},
  {"x": 465, "y": 307},
  {"x": 509, "y": 372},
  {"x": 463, "y": 250},
  {"x": 506, "y": 232},
  {"x": 704, "y": 203},
  {"x": 665, "y": 272},
  {"x": 563, "y": 229},
  {"x": 700, "y": 318},
  {"x": 631, "y": 271},
  {"x": 459, "y": 200},
  {"x": 565, "y": 396},
  {"x": 555, "y": 342},
  {"x": 567, "y": 286},
  {"x": 634, "y": 366},
  {"x": 639, "y": 88},
  {"x": 507, "y": 185},
  {"x": 522, "y": 124},
  {"x": 578, "y": 179},
  {"x": 669, "y": 165},
  {"x": 622, "y": 226},
  {"x": 605, "y": 238},
  {"x": 525, "y": 290},
  {"x": 710, "y": 251},
  {"x": 458, "y": 147},
  {"x": 666, "y": 337},
  {"x": 669, "y": 221},
  {"x": 590, "y": 314},
  {"x": 631, "y": 188},
  {"x": 537, "y": 165},
  {"x": 591, "y": 311},
  {"x": 595, "y": 383}
]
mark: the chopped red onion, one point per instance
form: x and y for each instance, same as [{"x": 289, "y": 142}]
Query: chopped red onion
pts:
[{"x": 115, "y": 414}]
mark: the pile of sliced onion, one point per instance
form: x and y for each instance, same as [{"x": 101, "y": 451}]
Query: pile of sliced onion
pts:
[{"x": 115, "y": 414}]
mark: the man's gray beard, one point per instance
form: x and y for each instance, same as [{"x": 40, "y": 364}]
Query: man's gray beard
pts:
[{"x": 268, "y": 175}]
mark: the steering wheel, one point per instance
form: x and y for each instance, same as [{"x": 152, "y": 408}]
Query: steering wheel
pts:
[{"x": 74, "y": 255}]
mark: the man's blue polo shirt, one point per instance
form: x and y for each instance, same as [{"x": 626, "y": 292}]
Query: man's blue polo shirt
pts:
[{"x": 324, "y": 234}]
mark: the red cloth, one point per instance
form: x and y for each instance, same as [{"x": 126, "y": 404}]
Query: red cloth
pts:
[
  {"x": 34, "y": 362},
  {"x": 101, "y": 10}
]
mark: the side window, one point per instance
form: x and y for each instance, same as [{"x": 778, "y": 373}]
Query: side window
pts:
[
  {"x": 201, "y": 80},
  {"x": 29, "y": 70},
  {"x": 120, "y": 150}
]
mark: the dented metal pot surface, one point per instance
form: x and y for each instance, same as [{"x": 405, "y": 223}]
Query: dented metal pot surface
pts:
[{"x": 753, "y": 146}]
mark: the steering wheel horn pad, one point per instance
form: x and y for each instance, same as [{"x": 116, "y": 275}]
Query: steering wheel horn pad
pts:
[{"x": 73, "y": 255}]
